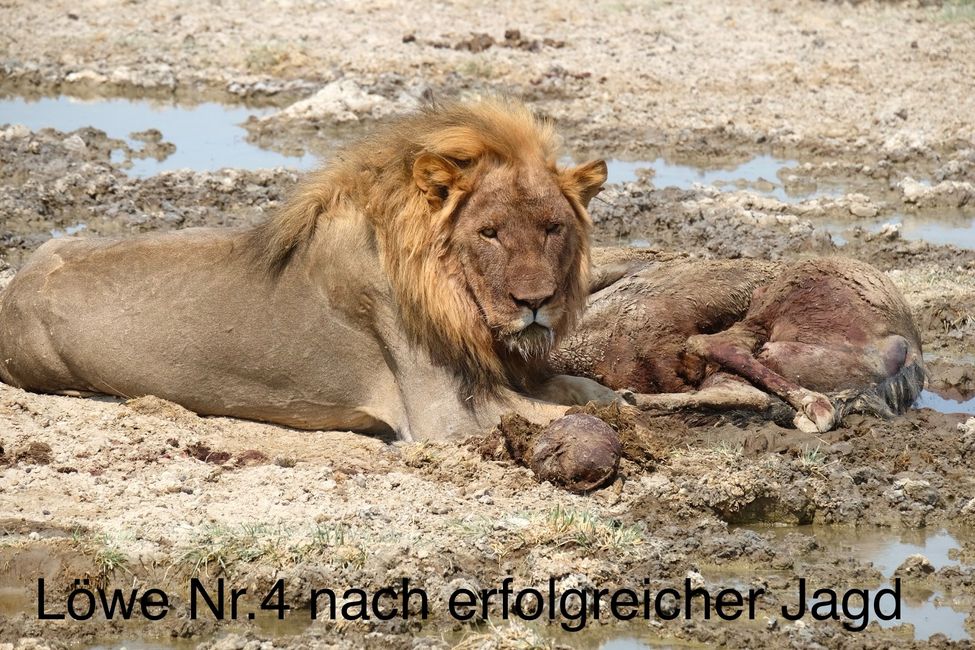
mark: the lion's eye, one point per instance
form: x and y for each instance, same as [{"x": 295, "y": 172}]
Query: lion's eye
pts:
[
  {"x": 553, "y": 229},
  {"x": 489, "y": 233}
]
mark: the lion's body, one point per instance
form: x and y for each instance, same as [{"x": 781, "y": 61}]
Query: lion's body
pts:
[
  {"x": 346, "y": 310},
  {"x": 184, "y": 317}
]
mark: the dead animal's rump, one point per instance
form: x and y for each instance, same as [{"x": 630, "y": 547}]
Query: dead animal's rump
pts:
[{"x": 684, "y": 334}]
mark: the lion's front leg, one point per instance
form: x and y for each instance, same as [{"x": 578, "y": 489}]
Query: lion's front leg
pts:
[
  {"x": 533, "y": 410},
  {"x": 570, "y": 390}
]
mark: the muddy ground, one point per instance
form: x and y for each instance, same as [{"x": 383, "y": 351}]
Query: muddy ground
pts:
[{"x": 872, "y": 98}]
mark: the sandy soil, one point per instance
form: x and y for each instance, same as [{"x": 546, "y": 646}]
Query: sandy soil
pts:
[{"x": 146, "y": 493}]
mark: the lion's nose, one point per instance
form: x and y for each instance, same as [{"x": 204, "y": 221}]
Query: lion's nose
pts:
[{"x": 533, "y": 300}]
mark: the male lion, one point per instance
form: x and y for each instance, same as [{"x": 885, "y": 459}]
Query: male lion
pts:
[
  {"x": 682, "y": 334},
  {"x": 415, "y": 284}
]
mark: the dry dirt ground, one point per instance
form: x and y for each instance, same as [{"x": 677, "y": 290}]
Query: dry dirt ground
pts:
[{"x": 873, "y": 97}]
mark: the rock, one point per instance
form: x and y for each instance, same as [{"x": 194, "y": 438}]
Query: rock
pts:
[
  {"x": 697, "y": 580},
  {"x": 149, "y": 135},
  {"x": 578, "y": 452},
  {"x": 14, "y": 132},
  {"x": 863, "y": 210},
  {"x": 668, "y": 605},
  {"x": 339, "y": 101},
  {"x": 912, "y": 190},
  {"x": 918, "y": 490},
  {"x": 251, "y": 457},
  {"x": 952, "y": 194},
  {"x": 956, "y": 376},
  {"x": 86, "y": 76},
  {"x": 476, "y": 43},
  {"x": 915, "y": 566},
  {"x": 887, "y": 232},
  {"x": 904, "y": 144},
  {"x": 75, "y": 144}
]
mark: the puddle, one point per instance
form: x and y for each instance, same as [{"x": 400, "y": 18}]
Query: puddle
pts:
[
  {"x": 135, "y": 644},
  {"x": 70, "y": 230},
  {"x": 885, "y": 548},
  {"x": 931, "y": 400},
  {"x": 210, "y": 136},
  {"x": 760, "y": 175},
  {"x": 947, "y": 227},
  {"x": 887, "y": 551},
  {"x": 929, "y": 612},
  {"x": 624, "y": 644},
  {"x": 930, "y": 617},
  {"x": 207, "y": 136}
]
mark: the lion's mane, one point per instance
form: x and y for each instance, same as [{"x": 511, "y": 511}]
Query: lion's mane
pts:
[{"x": 374, "y": 177}]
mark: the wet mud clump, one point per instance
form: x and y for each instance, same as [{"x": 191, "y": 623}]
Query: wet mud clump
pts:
[
  {"x": 578, "y": 452},
  {"x": 640, "y": 445},
  {"x": 204, "y": 453},
  {"x": 34, "y": 453}
]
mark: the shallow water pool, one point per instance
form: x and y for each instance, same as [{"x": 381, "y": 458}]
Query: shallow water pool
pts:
[
  {"x": 930, "y": 399},
  {"x": 207, "y": 136},
  {"x": 929, "y": 612},
  {"x": 942, "y": 227},
  {"x": 210, "y": 136},
  {"x": 759, "y": 174}
]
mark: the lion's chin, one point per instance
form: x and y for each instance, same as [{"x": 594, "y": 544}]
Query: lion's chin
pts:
[{"x": 532, "y": 342}]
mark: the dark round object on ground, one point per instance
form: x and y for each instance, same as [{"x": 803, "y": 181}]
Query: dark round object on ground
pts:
[{"x": 578, "y": 452}]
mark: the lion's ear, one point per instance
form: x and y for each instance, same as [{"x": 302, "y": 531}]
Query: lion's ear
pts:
[
  {"x": 435, "y": 176},
  {"x": 586, "y": 180}
]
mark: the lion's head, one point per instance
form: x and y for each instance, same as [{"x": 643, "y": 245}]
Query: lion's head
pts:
[{"x": 484, "y": 238}]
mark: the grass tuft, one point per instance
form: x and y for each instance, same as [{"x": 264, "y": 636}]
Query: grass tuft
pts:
[
  {"x": 223, "y": 549},
  {"x": 104, "y": 550},
  {"x": 563, "y": 527}
]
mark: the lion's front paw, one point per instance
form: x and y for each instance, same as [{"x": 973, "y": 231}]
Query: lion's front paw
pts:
[
  {"x": 816, "y": 414},
  {"x": 577, "y": 391},
  {"x": 606, "y": 397}
]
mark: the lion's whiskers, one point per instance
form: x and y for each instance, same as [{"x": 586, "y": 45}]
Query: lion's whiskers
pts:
[{"x": 533, "y": 342}]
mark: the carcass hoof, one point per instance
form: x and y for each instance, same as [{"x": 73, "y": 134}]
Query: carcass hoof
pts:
[{"x": 816, "y": 414}]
